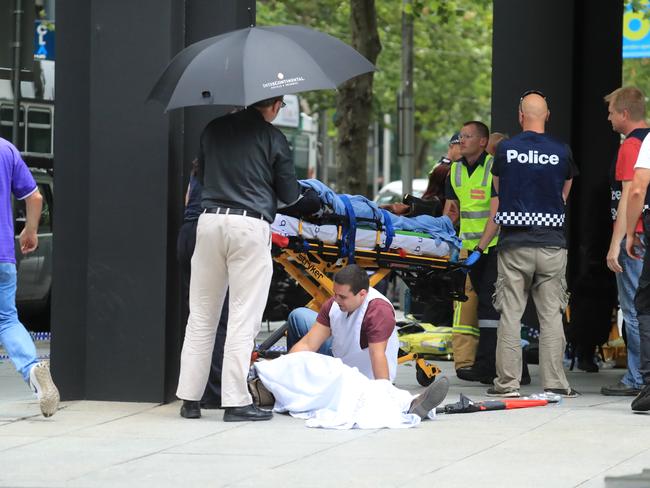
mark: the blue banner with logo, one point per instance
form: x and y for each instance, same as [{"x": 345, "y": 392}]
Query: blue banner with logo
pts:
[{"x": 44, "y": 40}]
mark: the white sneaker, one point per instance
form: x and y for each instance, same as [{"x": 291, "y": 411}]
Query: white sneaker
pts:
[{"x": 41, "y": 382}]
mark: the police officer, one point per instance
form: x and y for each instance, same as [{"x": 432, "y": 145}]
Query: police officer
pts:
[
  {"x": 453, "y": 150},
  {"x": 533, "y": 174},
  {"x": 468, "y": 191}
]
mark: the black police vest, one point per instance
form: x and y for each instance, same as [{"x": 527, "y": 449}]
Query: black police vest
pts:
[
  {"x": 533, "y": 168},
  {"x": 616, "y": 187}
]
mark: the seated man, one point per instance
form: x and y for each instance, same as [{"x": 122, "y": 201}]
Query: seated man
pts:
[{"x": 356, "y": 325}]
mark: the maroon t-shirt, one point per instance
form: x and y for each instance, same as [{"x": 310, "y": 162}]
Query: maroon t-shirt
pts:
[{"x": 377, "y": 325}]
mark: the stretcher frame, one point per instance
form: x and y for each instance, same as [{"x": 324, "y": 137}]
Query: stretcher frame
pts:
[{"x": 313, "y": 263}]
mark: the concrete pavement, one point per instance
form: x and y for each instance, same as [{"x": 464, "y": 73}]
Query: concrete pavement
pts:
[{"x": 97, "y": 444}]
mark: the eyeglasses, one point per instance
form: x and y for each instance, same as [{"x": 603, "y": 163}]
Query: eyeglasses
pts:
[
  {"x": 282, "y": 104},
  {"x": 531, "y": 92}
]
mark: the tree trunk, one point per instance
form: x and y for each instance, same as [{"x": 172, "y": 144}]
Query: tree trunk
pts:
[
  {"x": 421, "y": 156},
  {"x": 354, "y": 104}
]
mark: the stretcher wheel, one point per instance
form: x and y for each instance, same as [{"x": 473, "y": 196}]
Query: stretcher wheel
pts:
[{"x": 422, "y": 377}]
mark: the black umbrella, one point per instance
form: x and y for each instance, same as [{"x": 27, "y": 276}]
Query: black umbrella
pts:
[{"x": 256, "y": 63}]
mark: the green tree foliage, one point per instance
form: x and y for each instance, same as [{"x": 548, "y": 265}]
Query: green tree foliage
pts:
[{"x": 452, "y": 66}]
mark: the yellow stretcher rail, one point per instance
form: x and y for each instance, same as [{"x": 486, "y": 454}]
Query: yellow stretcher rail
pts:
[{"x": 313, "y": 263}]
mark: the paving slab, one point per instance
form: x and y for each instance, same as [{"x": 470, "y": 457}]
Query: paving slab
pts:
[{"x": 99, "y": 444}]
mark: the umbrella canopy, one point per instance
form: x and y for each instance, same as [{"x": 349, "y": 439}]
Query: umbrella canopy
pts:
[{"x": 256, "y": 63}]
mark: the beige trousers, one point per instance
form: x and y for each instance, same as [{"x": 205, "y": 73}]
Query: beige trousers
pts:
[
  {"x": 231, "y": 251},
  {"x": 541, "y": 272},
  {"x": 465, "y": 331}
]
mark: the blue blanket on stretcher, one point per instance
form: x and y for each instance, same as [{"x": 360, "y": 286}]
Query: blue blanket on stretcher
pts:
[{"x": 439, "y": 228}]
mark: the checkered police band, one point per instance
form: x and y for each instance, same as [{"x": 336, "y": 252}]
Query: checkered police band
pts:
[
  {"x": 646, "y": 209},
  {"x": 529, "y": 218}
]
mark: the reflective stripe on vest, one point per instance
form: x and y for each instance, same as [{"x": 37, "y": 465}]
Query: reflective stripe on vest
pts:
[{"x": 474, "y": 194}]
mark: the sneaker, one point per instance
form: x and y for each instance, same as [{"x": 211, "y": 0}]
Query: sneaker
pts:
[
  {"x": 642, "y": 401},
  {"x": 493, "y": 392},
  {"x": 568, "y": 393},
  {"x": 619, "y": 389},
  {"x": 430, "y": 398},
  {"x": 41, "y": 382}
]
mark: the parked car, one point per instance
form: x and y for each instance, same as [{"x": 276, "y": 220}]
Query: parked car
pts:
[
  {"x": 35, "y": 269},
  {"x": 392, "y": 192}
]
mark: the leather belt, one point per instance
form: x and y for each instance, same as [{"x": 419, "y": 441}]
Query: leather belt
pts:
[{"x": 235, "y": 211}]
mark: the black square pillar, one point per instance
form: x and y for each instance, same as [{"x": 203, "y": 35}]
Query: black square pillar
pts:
[
  {"x": 120, "y": 174},
  {"x": 571, "y": 51}
]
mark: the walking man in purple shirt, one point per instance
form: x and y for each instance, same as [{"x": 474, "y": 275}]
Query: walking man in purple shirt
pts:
[{"x": 15, "y": 178}]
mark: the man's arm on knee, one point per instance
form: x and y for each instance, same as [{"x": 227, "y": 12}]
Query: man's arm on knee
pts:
[
  {"x": 315, "y": 338},
  {"x": 377, "y": 351}
]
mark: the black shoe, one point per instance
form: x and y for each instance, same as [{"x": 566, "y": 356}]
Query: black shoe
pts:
[
  {"x": 619, "y": 389},
  {"x": 246, "y": 413},
  {"x": 471, "y": 373},
  {"x": 588, "y": 365},
  {"x": 568, "y": 393},
  {"x": 493, "y": 392},
  {"x": 430, "y": 398},
  {"x": 191, "y": 409},
  {"x": 642, "y": 401}
]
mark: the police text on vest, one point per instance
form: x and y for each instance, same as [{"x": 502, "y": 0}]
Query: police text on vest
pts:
[{"x": 532, "y": 157}]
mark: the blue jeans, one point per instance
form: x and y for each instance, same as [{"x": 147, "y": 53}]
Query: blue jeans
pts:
[
  {"x": 300, "y": 321},
  {"x": 13, "y": 335},
  {"x": 627, "y": 283}
]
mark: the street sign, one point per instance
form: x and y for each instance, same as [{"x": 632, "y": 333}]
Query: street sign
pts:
[
  {"x": 636, "y": 33},
  {"x": 44, "y": 40}
]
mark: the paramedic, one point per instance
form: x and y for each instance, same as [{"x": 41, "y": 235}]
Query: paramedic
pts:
[{"x": 469, "y": 191}]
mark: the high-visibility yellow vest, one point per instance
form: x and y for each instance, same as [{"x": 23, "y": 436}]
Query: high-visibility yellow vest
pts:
[{"x": 474, "y": 193}]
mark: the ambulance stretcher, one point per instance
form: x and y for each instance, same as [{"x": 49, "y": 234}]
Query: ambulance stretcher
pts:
[{"x": 312, "y": 253}]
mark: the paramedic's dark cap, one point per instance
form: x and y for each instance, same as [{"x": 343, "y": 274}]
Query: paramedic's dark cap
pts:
[{"x": 455, "y": 139}]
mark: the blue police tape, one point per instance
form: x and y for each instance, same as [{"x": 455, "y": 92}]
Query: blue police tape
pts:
[
  {"x": 6, "y": 356},
  {"x": 41, "y": 336}
]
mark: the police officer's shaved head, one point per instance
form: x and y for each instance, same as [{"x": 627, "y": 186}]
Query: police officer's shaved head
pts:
[{"x": 533, "y": 106}]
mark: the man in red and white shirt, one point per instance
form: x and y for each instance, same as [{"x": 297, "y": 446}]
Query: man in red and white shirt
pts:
[
  {"x": 356, "y": 325},
  {"x": 626, "y": 108}
]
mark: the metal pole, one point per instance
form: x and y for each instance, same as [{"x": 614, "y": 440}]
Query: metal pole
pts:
[
  {"x": 324, "y": 146},
  {"x": 407, "y": 137},
  {"x": 387, "y": 149},
  {"x": 375, "y": 158},
  {"x": 18, "y": 13}
]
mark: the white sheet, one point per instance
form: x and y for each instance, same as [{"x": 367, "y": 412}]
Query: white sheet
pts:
[
  {"x": 329, "y": 394},
  {"x": 365, "y": 239}
]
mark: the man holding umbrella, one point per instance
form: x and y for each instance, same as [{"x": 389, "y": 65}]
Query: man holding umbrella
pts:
[{"x": 245, "y": 167}]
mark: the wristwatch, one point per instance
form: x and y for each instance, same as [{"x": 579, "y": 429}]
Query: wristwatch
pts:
[{"x": 478, "y": 249}]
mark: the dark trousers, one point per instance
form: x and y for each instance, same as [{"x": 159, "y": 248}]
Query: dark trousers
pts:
[
  {"x": 483, "y": 276},
  {"x": 642, "y": 304},
  {"x": 185, "y": 249}
]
